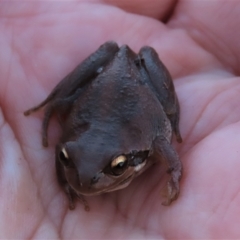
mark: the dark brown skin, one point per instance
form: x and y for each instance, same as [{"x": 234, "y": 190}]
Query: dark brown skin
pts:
[
  {"x": 116, "y": 103},
  {"x": 42, "y": 41}
]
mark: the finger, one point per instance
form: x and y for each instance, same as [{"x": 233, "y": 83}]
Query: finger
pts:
[
  {"x": 214, "y": 25},
  {"x": 152, "y": 8}
]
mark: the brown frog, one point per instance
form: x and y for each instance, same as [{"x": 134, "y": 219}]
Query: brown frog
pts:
[{"x": 117, "y": 110}]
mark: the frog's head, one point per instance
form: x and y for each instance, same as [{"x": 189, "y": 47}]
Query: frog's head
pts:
[{"x": 97, "y": 162}]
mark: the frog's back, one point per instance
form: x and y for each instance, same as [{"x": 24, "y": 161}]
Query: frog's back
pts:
[{"x": 119, "y": 97}]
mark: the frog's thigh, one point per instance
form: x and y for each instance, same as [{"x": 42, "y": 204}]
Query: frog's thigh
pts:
[
  {"x": 86, "y": 71},
  {"x": 162, "y": 84},
  {"x": 164, "y": 150}
]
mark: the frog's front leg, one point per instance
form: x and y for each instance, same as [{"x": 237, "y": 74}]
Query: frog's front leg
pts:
[
  {"x": 71, "y": 194},
  {"x": 164, "y": 150},
  {"x": 162, "y": 84}
]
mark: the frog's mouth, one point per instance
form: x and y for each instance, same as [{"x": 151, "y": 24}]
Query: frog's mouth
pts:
[
  {"x": 126, "y": 181},
  {"x": 110, "y": 183},
  {"x": 108, "y": 180},
  {"x": 122, "y": 184}
]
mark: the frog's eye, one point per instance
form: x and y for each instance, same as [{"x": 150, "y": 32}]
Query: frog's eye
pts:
[
  {"x": 63, "y": 157},
  {"x": 119, "y": 165}
]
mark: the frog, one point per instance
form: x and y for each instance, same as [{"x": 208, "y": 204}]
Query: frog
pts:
[{"x": 118, "y": 112}]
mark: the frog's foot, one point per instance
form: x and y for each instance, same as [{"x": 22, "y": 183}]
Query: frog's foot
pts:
[
  {"x": 173, "y": 192},
  {"x": 84, "y": 202},
  {"x": 70, "y": 195},
  {"x": 34, "y": 109}
]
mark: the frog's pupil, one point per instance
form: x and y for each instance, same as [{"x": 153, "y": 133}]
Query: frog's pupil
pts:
[
  {"x": 121, "y": 164},
  {"x": 119, "y": 168}
]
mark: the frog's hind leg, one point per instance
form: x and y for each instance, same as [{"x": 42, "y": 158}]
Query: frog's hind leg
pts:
[
  {"x": 36, "y": 108},
  {"x": 70, "y": 193},
  {"x": 47, "y": 116},
  {"x": 59, "y": 106},
  {"x": 50, "y": 108},
  {"x": 70, "y": 87},
  {"x": 45, "y": 123},
  {"x": 162, "y": 85},
  {"x": 81, "y": 75}
]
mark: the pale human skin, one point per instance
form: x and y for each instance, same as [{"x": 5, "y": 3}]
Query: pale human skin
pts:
[{"x": 42, "y": 41}]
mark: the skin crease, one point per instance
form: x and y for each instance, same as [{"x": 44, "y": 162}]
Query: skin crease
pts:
[{"x": 42, "y": 41}]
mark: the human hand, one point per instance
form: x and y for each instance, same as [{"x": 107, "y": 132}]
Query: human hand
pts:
[{"x": 42, "y": 41}]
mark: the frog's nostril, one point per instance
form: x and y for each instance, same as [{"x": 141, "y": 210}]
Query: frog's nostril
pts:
[{"x": 95, "y": 179}]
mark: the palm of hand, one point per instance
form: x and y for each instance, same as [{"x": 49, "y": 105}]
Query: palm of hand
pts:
[{"x": 42, "y": 49}]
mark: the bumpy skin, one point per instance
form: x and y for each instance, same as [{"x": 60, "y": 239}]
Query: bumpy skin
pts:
[{"x": 114, "y": 103}]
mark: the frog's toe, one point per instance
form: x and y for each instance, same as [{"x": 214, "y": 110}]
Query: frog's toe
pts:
[
  {"x": 173, "y": 192},
  {"x": 84, "y": 202}
]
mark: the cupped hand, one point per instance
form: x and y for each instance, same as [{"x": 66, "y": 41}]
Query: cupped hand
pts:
[{"x": 199, "y": 43}]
